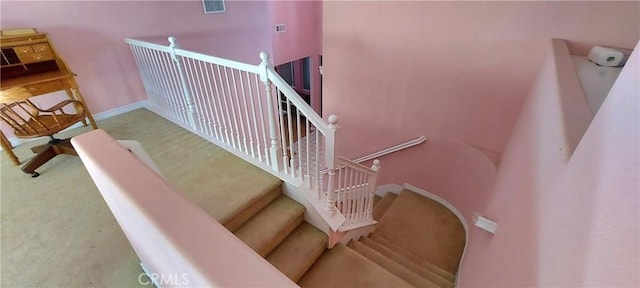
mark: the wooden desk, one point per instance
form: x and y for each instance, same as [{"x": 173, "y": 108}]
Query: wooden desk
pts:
[{"x": 30, "y": 60}]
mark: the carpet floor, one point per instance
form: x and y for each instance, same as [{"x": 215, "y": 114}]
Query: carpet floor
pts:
[
  {"x": 425, "y": 229},
  {"x": 56, "y": 230}
]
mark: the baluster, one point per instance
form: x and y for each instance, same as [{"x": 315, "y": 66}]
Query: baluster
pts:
[
  {"x": 264, "y": 77},
  {"x": 153, "y": 88},
  {"x": 298, "y": 124},
  {"x": 255, "y": 119},
  {"x": 247, "y": 115},
  {"x": 372, "y": 188},
  {"x": 283, "y": 134},
  {"x": 290, "y": 135},
  {"x": 189, "y": 71},
  {"x": 233, "y": 111},
  {"x": 206, "y": 102},
  {"x": 215, "y": 108},
  {"x": 308, "y": 136},
  {"x": 172, "y": 86},
  {"x": 264, "y": 130},
  {"x": 354, "y": 195},
  {"x": 187, "y": 96},
  {"x": 227, "y": 114},
  {"x": 317, "y": 162},
  {"x": 331, "y": 191},
  {"x": 239, "y": 106},
  {"x": 339, "y": 190},
  {"x": 349, "y": 187},
  {"x": 358, "y": 188}
]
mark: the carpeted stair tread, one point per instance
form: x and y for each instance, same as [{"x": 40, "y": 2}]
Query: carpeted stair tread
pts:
[
  {"x": 383, "y": 205},
  {"x": 299, "y": 251},
  {"x": 415, "y": 259},
  {"x": 425, "y": 228},
  {"x": 390, "y": 265},
  {"x": 253, "y": 206},
  {"x": 409, "y": 260},
  {"x": 271, "y": 225},
  {"x": 343, "y": 267}
]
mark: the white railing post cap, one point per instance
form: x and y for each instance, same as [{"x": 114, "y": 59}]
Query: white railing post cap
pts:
[
  {"x": 173, "y": 41},
  {"x": 333, "y": 119},
  {"x": 264, "y": 56},
  {"x": 376, "y": 165}
]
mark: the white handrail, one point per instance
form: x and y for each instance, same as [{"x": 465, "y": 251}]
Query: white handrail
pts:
[
  {"x": 296, "y": 100},
  {"x": 196, "y": 55},
  {"x": 389, "y": 150},
  {"x": 145, "y": 44},
  {"x": 354, "y": 165}
]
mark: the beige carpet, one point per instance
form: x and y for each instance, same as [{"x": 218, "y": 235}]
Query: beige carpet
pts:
[
  {"x": 424, "y": 228},
  {"x": 343, "y": 267},
  {"x": 56, "y": 230}
]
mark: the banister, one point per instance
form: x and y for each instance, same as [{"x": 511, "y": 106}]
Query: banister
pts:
[
  {"x": 352, "y": 164},
  {"x": 302, "y": 155},
  {"x": 389, "y": 150},
  {"x": 297, "y": 101},
  {"x": 145, "y": 44}
]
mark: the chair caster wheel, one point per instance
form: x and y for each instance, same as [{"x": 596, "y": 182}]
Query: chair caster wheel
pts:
[{"x": 35, "y": 174}]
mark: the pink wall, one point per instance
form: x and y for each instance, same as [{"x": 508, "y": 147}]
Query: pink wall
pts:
[
  {"x": 564, "y": 219},
  {"x": 458, "y": 70},
  {"x": 89, "y": 36},
  {"x": 302, "y": 38},
  {"x": 459, "y": 73}
]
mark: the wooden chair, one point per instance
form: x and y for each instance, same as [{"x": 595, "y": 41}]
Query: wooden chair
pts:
[{"x": 30, "y": 121}]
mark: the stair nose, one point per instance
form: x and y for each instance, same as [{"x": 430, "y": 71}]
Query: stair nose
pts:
[
  {"x": 392, "y": 266},
  {"x": 299, "y": 251},
  {"x": 424, "y": 268},
  {"x": 266, "y": 230},
  {"x": 252, "y": 206},
  {"x": 343, "y": 267},
  {"x": 383, "y": 205}
]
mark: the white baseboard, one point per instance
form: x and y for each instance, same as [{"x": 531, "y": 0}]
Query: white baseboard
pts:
[
  {"x": 120, "y": 110},
  {"x": 388, "y": 188},
  {"x": 100, "y": 116}
]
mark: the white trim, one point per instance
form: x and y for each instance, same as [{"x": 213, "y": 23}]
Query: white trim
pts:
[
  {"x": 395, "y": 148},
  {"x": 154, "y": 280},
  {"x": 388, "y": 188},
  {"x": 453, "y": 210},
  {"x": 100, "y": 116}
]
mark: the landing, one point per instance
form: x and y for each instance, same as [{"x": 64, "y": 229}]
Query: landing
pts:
[{"x": 424, "y": 228}]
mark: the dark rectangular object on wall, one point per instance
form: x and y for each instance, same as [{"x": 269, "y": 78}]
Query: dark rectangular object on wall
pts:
[{"x": 213, "y": 6}]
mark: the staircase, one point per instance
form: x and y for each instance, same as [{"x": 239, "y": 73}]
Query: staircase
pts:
[
  {"x": 274, "y": 227},
  {"x": 252, "y": 112}
]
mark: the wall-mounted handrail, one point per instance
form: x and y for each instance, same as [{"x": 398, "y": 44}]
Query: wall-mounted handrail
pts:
[{"x": 392, "y": 149}]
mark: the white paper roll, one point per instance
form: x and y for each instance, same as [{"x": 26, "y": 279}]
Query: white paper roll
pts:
[{"x": 604, "y": 56}]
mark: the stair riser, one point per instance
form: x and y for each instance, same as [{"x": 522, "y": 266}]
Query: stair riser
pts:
[
  {"x": 252, "y": 209},
  {"x": 391, "y": 266}
]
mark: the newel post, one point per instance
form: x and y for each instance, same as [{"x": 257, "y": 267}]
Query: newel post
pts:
[
  {"x": 372, "y": 188},
  {"x": 191, "y": 106},
  {"x": 275, "y": 152},
  {"x": 331, "y": 161}
]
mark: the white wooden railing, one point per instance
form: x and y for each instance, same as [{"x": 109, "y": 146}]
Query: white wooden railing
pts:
[{"x": 250, "y": 111}]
